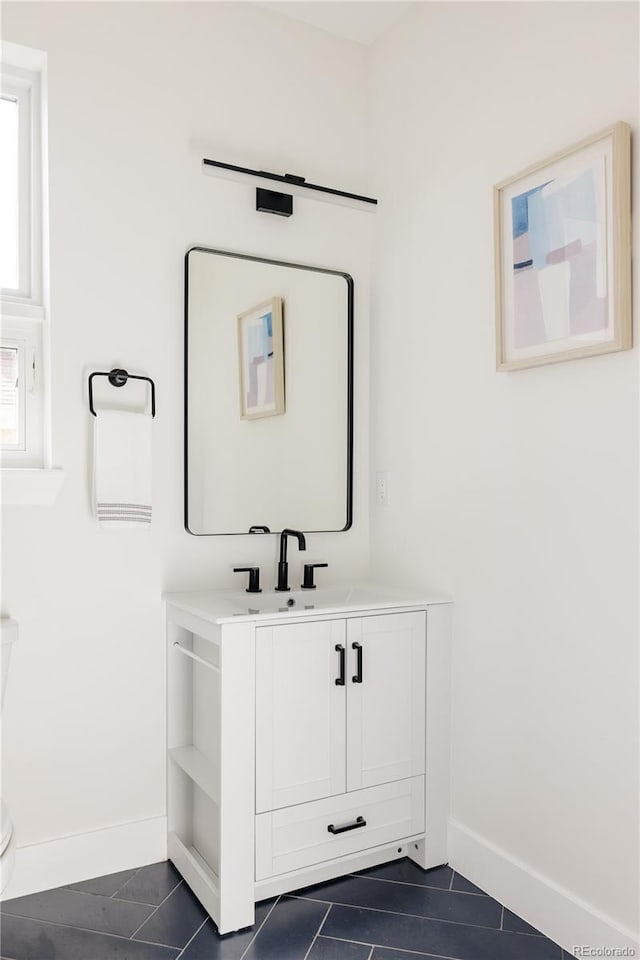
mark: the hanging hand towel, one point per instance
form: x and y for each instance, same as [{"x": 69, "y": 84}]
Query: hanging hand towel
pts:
[{"x": 122, "y": 468}]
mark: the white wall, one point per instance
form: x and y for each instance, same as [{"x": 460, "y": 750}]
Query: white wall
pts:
[
  {"x": 516, "y": 492},
  {"x": 138, "y": 94}
]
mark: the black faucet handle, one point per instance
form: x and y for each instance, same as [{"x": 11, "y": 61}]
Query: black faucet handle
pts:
[
  {"x": 254, "y": 578},
  {"x": 308, "y": 583}
]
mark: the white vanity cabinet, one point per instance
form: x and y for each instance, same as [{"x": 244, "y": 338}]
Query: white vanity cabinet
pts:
[{"x": 305, "y": 742}]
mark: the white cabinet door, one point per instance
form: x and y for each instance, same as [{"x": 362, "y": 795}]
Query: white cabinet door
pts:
[
  {"x": 385, "y": 698},
  {"x": 300, "y": 713}
]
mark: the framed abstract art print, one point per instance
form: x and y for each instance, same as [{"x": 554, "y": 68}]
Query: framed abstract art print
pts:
[
  {"x": 563, "y": 254},
  {"x": 261, "y": 356}
]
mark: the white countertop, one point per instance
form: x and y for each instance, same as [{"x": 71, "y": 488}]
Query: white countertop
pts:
[{"x": 226, "y": 606}]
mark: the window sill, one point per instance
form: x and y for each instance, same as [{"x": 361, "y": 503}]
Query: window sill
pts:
[{"x": 21, "y": 485}]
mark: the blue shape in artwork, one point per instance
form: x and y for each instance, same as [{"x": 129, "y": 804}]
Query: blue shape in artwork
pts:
[
  {"x": 538, "y": 230},
  {"x": 264, "y": 339},
  {"x": 519, "y": 215},
  {"x": 260, "y": 338},
  {"x": 520, "y": 210}
]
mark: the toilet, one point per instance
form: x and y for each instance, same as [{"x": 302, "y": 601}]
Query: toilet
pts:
[{"x": 8, "y": 636}]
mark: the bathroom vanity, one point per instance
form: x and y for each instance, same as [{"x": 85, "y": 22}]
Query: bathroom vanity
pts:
[{"x": 307, "y": 738}]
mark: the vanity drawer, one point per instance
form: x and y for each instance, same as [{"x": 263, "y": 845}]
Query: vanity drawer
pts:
[{"x": 299, "y": 836}]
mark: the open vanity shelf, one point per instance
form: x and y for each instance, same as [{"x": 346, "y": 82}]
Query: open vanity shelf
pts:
[{"x": 304, "y": 742}]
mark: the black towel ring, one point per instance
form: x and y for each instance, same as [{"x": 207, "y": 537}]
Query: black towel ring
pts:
[{"x": 118, "y": 378}]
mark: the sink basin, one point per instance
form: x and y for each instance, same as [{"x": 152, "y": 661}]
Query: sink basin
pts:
[
  {"x": 222, "y": 606},
  {"x": 294, "y": 601}
]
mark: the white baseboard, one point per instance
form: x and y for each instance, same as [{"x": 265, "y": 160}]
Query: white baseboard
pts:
[
  {"x": 41, "y": 866},
  {"x": 553, "y": 910}
]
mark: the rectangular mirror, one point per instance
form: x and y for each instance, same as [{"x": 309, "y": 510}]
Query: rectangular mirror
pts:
[{"x": 268, "y": 395}]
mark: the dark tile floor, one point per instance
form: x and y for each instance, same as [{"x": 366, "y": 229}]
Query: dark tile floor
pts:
[{"x": 392, "y": 912}]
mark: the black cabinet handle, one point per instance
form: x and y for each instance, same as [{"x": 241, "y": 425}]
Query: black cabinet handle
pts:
[
  {"x": 340, "y": 681},
  {"x": 359, "y": 822},
  {"x": 358, "y": 675}
]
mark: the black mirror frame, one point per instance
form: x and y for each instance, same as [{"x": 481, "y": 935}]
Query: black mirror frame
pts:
[{"x": 350, "y": 378}]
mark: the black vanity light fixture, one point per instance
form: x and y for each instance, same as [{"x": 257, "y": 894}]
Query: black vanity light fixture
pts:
[
  {"x": 279, "y": 202},
  {"x": 271, "y": 201}
]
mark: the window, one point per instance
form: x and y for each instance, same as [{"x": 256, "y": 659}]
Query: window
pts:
[
  {"x": 9, "y": 189},
  {"x": 21, "y": 394},
  {"x": 12, "y": 379},
  {"x": 24, "y": 437},
  {"x": 21, "y": 181}
]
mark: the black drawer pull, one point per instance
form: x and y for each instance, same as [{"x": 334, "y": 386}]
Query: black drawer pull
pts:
[
  {"x": 358, "y": 675},
  {"x": 340, "y": 681},
  {"x": 359, "y": 822}
]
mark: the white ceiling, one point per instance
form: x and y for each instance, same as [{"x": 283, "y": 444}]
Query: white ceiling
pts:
[{"x": 360, "y": 20}]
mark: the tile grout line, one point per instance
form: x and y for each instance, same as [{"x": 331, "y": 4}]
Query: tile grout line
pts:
[
  {"x": 317, "y": 932},
  {"x": 502, "y": 918},
  {"x": 453, "y": 873},
  {"x": 382, "y": 946},
  {"x": 86, "y": 893},
  {"x": 420, "y": 886},
  {"x": 273, "y": 906},
  {"x": 153, "y": 913},
  {"x": 191, "y": 939},
  {"x": 416, "y": 953},
  {"x": 363, "y": 943},
  {"x": 135, "y": 874},
  {"x": 417, "y": 916},
  {"x": 90, "y": 893},
  {"x": 97, "y": 933},
  {"x": 154, "y": 943},
  {"x": 370, "y": 953},
  {"x": 395, "y": 913}
]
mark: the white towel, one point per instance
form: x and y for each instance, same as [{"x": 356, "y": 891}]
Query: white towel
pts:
[{"x": 122, "y": 468}]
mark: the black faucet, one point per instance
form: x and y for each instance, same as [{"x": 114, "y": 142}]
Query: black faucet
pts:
[{"x": 283, "y": 566}]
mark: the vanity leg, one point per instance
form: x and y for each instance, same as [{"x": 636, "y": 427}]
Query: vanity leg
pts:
[
  {"x": 237, "y": 787},
  {"x": 417, "y": 852},
  {"x": 433, "y": 850}
]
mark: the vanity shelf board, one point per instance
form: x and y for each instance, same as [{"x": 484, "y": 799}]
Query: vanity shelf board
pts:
[
  {"x": 199, "y": 769},
  {"x": 197, "y": 872}
]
